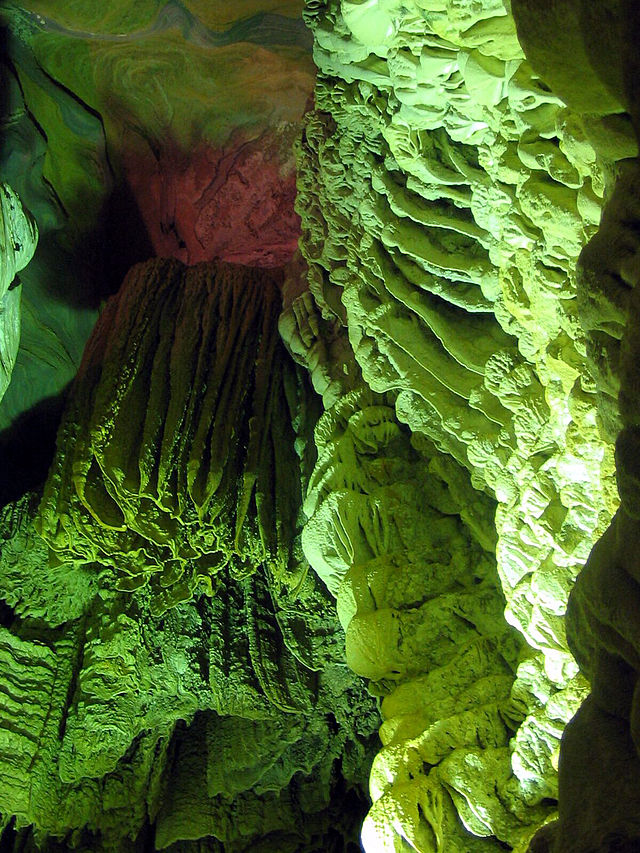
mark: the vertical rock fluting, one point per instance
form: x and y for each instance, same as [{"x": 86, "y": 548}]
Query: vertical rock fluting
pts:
[
  {"x": 134, "y": 706},
  {"x": 175, "y": 454},
  {"x": 405, "y": 544}
]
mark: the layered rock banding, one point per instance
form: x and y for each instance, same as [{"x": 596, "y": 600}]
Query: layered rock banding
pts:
[{"x": 445, "y": 193}]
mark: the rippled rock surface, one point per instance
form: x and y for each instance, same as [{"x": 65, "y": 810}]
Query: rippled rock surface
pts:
[{"x": 446, "y": 192}]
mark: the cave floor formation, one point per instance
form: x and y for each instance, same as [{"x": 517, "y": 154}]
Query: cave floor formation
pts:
[{"x": 319, "y": 426}]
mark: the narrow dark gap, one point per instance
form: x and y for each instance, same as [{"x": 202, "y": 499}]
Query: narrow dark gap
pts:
[{"x": 27, "y": 448}]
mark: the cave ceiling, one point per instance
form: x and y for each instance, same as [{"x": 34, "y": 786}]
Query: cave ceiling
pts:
[
  {"x": 318, "y": 426},
  {"x": 140, "y": 129}
]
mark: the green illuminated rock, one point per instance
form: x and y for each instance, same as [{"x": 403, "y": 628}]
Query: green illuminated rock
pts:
[
  {"x": 422, "y": 612},
  {"x": 445, "y": 193},
  {"x": 602, "y": 616},
  {"x": 175, "y": 455},
  {"x": 34, "y": 586},
  {"x": 98, "y": 723},
  {"x": 132, "y": 704},
  {"x": 172, "y": 676},
  {"x": 238, "y": 709},
  {"x": 18, "y": 238}
]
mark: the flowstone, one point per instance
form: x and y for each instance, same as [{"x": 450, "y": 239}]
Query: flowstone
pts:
[
  {"x": 465, "y": 303},
  {"x": 406, "y": 545},
  {"x": 176, "y": 455},
  {"x": 211, "y": 707},
  {"x": 445, "y": 193}
]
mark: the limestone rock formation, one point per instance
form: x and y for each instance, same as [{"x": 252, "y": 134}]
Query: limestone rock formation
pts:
[
  {"x": 123, "y": 142},
  {"x": 18, "y": 238},
  {"x": 446, "y": 193},
  {"x": 100, "y": 741},
  {"x": 175, "y": 455},
  {"x": 150, "y": 689},
  {"x": 601, "y": 811},
  {"x": 228, "y": 581},
  {"x": 601, "y": 620},
  {"x": 422, "y": 611}
]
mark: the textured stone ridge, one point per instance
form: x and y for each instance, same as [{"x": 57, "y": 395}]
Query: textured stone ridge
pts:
[
  {"x": 602, "y": 619},
  {"x": 601, "y": 810},
  {"x": 18, "y": 238},
  {"x": 33, "y": 586},
  {"x": 445, "y": 194},
  {"x": 119, "y": 725},
  {"x": 175, "y": 455},
  {"x": 422, "y": 609},
  {"x": 407, "y": 545}
]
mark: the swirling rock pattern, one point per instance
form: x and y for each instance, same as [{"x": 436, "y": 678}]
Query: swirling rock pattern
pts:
[
  {"x": 164, "y": 129},
  {"x": 192, "y": 151}
]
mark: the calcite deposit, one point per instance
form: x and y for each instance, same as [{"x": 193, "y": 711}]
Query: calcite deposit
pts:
[
  {"x": 175, "y": 456},
  {"x": 170, "y": 666},
  {"x": 337, "y": 547},
  {"x": 446, "y": 192}
]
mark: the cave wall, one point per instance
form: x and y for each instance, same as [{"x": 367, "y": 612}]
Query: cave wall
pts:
[
  {"x": 455, "y": 354},
  {"x": 446, "y": 193}
]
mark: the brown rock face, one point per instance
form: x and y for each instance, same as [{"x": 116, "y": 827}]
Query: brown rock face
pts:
[{"x": 233, "y": 203}]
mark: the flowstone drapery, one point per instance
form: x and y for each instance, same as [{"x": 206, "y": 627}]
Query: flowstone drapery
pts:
[
  {"x": 407, "y": 545},
  {"x": 446, "y": 193},
  {"x": 175, "y": 455},
  {"x": 135, "y": 709},
  {"x": 423, "y": 614}
]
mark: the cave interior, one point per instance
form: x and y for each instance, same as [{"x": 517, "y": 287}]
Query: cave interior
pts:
[{"x": 319, "y": 426}]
